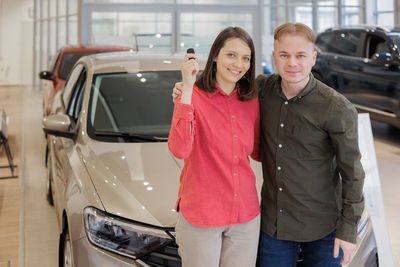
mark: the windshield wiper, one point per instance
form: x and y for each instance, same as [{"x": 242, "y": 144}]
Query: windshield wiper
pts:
[{"x": 131, "y": 136}]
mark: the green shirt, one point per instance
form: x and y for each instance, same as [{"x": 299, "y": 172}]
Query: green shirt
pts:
[{"x": 313, "y": 178}]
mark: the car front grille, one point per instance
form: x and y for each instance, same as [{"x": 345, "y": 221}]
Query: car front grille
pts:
[{"x": 164, "y": 257}]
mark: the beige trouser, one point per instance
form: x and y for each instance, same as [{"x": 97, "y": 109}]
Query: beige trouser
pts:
[{"x": 228, "y": 246}]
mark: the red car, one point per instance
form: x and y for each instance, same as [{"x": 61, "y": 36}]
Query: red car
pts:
[{"x": 62, "y": 64}]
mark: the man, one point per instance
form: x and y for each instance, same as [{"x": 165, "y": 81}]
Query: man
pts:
[{"x": 312, "y": 193}]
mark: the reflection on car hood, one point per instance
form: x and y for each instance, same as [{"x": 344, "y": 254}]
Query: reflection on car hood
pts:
[{"x": 137, "y": 181}]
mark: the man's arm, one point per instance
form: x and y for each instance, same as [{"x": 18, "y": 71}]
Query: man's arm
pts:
[{"x": 344, "y": 136}]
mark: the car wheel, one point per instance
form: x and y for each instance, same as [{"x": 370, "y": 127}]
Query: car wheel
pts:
[
  {"x": 65, "y": 250},
  {"x": 49, "y": 194}
]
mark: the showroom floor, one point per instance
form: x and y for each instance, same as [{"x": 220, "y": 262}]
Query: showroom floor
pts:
[{"x": 39, "y": 235}]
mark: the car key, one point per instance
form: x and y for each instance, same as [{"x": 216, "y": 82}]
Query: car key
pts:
[{"x": 190, "y": 51}]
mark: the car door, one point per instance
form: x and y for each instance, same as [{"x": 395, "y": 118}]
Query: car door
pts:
[
  {"x": 342, "y": 61},
  {"x": 380, "y": 81},
  {"x": 63, "y": 147}
]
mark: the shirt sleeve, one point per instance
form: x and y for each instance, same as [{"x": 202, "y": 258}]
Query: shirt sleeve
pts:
[
  {"x": 181, "y": 135},
  {"x": 256, "y": 149},
  {"x": 344, "y": 136}
]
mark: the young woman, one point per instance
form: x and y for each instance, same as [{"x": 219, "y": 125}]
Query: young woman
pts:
[{"x": 215, "y": 128}]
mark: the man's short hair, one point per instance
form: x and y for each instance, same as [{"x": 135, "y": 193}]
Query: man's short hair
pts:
[{"x": 294, "y": 29}]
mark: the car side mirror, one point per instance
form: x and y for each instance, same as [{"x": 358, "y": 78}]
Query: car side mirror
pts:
[
  {"x": 58, "y": 125},
  {"x": 382, "y": 58},
  {"x": 46, "y": 75}
]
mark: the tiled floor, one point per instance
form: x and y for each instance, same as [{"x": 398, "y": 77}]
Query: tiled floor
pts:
[
  {"x": 40, "y": 228},
  {"x": 39, "y": 233},
  {"x": 10, "y": 188}
]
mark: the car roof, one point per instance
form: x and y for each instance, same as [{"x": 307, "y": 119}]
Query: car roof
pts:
[
  {"x": 359, "y": 27},
  {"x": 135, "y": 62},
  {"x": 94, "y": 48}
]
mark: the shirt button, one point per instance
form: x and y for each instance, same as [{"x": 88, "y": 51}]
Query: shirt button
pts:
[
  {"x": 282, "y": 125},
  {"x": 235, "y": 136},
  {"x": 190, "y": 112},
  {"x": 235, "y": 174},
  {"x": 229, "y": 98},
  {"x": 233, "y": 116},
  {"x": 280, "y": 189},
  {"x": 279, "y": 168},
  {"x": 236, "y": 195},
  {"x": 280, "y": 145},
  {"x": 286, "y": 102},
  {"x": 235, "y": 157}
]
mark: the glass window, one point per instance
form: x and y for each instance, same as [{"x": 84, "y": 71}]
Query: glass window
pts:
[
  {"x": 326, "y": 17},
  {"x": 351, "y": 16},
  {"x": 54, "y": 62},
  {"x": 45, "y": 6},
  {"x": 324, "y": 42},
  {"x": 277, "y": 15},
  {"x": 326, "y": 3},
  {"x": 219, "y": 2},
  {"x": 73, "y": 7},
  {"x": 129, "y": 1},
  {"x": 53, "y": 35},
  {"x": 73, "y": 30},
  {"x": 302, "y": 14},
  {"x": 70, "y": 85},
  {"x": 199, "y": 30},
  {"x": 147, "y": 31},
  {"x": 133, "y": 103},
  {"x": 61, "y": 32},
  {"x": 62, "y": 7},
  {"x": 75, "y": 104},
  {"x": 68, "y": 61},
  {"x": 345, "y": 43},
  {"x": 377, "y": 44},
  {"x": 53, "y": 8},
  {"x": 384, "y": 5},
  {"x": 44, "y": 51},
  {"x": 386, "y": 19},
  {"x": 395, "y": 37},
  {"x": 351, "y": 2}
]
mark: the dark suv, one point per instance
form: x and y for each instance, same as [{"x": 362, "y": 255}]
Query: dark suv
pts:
[{"x": 363, "y": 63}]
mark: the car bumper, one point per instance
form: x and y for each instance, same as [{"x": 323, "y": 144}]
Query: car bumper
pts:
[{"x": 87, "y": 255}]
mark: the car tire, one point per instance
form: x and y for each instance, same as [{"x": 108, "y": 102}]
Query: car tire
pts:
[
  {"x": 49, "y": 193},
  {"x": 65, "y": 251}
]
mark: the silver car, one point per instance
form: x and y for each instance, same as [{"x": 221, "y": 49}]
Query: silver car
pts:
[{"x": 111, "y": 176}]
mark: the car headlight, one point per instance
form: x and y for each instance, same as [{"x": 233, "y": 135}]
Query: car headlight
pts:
[{"x": 120, "y": 236}]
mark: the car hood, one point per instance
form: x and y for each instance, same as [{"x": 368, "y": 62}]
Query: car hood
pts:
[{"x": 137, "y": 181}]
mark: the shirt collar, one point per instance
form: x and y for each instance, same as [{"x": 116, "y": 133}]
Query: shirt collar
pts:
[
  {"x": 307, "y": 89},
  {"x": 218, "y": 90}
]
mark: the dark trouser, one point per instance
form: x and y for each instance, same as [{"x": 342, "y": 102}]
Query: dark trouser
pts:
[{"x": 280, "y": 253}]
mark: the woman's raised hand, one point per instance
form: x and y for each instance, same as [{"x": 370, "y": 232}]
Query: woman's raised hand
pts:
[{"x": 189, "y": 69}]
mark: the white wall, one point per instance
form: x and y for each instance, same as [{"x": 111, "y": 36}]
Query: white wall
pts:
[{"x": 16, "y": 41}]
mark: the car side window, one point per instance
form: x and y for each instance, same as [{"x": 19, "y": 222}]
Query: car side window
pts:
[
  {"x": 70, "y": 84},
  {"x": 54, "y": 63},
  {"x": 376, "y": 44},
  {"x": 75, "y": 103},
  {"x": 324, "y": 42},
  {"x": 346, "y": 43}
]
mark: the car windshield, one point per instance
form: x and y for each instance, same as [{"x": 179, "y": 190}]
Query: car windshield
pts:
[
  {"x": 396, "y": 38},
  {"x": 132, "y": 106},
  {"x": 69, "y": 60}
]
